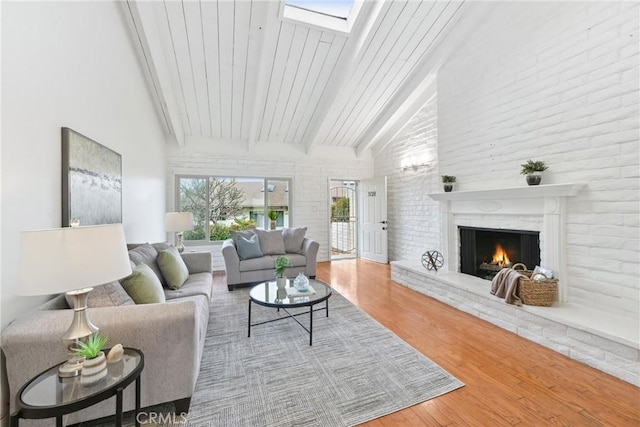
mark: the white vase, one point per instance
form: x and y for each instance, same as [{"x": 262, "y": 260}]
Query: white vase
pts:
[
  {"x": 281, "y": 282},
  {"x": 93, "y": 370},
  {"x": 301, "y": 283}
]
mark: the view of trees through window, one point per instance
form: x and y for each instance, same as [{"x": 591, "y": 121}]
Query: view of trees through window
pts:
[{"x": 222, "y": 204}]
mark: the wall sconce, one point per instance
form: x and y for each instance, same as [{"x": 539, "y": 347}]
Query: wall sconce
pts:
[{"x": 416, "y": 166}]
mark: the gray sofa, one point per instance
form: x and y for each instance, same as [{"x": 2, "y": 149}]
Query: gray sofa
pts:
[
  {"x": 301, "y": 251},
  {"x": 171, "y": 335}
]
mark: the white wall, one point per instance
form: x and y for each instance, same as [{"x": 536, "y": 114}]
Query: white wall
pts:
[
  {"x": 559, "y": 82},
  {"x": 555, "y": 81},
  {"x": 71, "y": 64},
  {"x": 311, "y": 174},
  {"x": 414, "y": 218}
]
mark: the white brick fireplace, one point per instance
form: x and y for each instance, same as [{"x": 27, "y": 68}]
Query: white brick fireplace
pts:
[{"x": 535, "y": 208}]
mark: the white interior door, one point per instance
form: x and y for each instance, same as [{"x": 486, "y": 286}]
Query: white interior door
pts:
[{"x": 373, "y": 219}]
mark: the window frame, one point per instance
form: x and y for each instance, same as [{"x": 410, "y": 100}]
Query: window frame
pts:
[{"x": 265, "y": 182}]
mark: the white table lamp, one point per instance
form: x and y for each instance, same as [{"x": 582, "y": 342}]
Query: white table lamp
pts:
[
  {"x": 178, "y": 222},
  {"x": 72, "y": 260}
]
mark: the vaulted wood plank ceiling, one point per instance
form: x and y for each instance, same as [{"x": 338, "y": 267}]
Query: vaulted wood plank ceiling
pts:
[{"x": 239, "y": 72}]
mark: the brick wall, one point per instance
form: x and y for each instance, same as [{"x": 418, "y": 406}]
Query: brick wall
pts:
[
  {"x": 414, "y": 218},
  {"x": 558, "y": 82},
  {"x": 311, "y": 176}
]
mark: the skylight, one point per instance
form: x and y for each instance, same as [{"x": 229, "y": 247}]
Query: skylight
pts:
[
  {"x": 336, "y": 15},
  {"x": 335, "y": 8}
]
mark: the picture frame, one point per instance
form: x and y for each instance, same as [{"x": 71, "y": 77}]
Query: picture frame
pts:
[{"x": 91, "y": 181}]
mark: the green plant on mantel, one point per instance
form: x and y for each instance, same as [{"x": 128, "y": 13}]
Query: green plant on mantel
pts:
[
  {"x": 92, "y": 348},
  {"x": 447, "y": 179},
  {"x": 533, "y": 166}
]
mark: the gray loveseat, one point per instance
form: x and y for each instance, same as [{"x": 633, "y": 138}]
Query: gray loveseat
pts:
[
  {"x": 171, "y": 335},
  {"x": 291, "y": 242}
]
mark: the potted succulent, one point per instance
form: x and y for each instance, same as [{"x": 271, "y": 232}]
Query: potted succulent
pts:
[
  {"x": 281, "y": 264},
  {"x": 273, "y": 216},
  {"x": 94, "y": 367},
  {"x": 448, "y": 181},
  {"x": 533, "y": 171}
]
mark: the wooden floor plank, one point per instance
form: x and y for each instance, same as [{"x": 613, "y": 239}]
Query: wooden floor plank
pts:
[{"x": 509, "y": 380}]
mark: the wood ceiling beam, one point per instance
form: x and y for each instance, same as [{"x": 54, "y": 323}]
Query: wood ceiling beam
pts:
[
  {"x": 348, "y": 60},
  {"x": 270, "y": 31},
  {"x": 141, "y": 21},
  {"x": 421, "y": 84}
]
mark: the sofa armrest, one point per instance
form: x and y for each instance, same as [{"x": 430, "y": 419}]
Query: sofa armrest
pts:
[
  {"x": 198, "y": 262},
  {"x": 310, "y": 252},
  {"x": 166, "y": 333},
  {"x": 231, "y": 262}
]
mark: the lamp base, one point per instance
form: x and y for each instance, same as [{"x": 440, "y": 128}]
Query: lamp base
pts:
[
  {"x": 179, "y": 245},
  {"x": 71, "y": 368},
  {"x": 80, "y": 330}
]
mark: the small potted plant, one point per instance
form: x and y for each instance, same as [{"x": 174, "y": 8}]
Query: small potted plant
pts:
[
  {"x": 282, "y": 262},
  {"x": 94, "y": 367},
  {"x": 533, "y": 171},
  {"x": 273, "y": 216},
  {"x": 448, "y": 182}
]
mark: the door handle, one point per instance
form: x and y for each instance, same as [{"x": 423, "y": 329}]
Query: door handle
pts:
[{"x": 383, "y": 222}]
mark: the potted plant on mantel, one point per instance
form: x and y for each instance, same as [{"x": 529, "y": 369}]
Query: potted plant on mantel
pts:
[
  {"x": 448, "y": 181},
  {"x": 282, "y": 262},
  {"x": 94, "y": 367},
  {"x": 533, "y": 171}
]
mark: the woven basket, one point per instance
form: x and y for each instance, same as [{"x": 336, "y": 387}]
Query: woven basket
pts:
[{"x": 543, "y": 293}]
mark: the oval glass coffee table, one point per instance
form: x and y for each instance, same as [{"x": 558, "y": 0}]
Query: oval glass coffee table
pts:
[{"x": 268, "y": 295}]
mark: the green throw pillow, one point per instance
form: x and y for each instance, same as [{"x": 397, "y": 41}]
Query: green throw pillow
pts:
[
  {"x": 248, "y": 248},
  {"x": 143, "y": 286},
  {"x": 173, "y": 268}
]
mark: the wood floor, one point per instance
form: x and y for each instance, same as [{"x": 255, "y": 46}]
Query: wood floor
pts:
[{"x": 509, "y": 380}]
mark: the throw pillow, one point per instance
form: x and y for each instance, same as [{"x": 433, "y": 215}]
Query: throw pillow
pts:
[
  {"x": 271, "y": 242},
  {"x": 147, "y": 254},
  {"x": 173, "y": 268},
  {"x": 143, "y": 286},
  {"x": 246, "y": 234},
  {"x": 110, "y": 294},
  {"x": 248, "y": 248},
  {"x": 293, "y": 238}
]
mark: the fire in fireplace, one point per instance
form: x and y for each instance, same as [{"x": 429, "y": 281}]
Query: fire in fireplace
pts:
[{"x": 484, "y": 252}]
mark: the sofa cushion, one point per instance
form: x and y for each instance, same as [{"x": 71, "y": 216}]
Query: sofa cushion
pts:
[
  {"x": 262, "y": 263},
  {"x": 248, "y": 248},
  {"x": 271, "y": 242},
  {"x": 143, "y": 285},
  {"x": 196, "y": 284},
  {"x": 295, "y": 260},
  {"x": 293, "y": 238},
  {"x": 110, "y": 294},
  {"x": 173, "y": 268},
  {"x": 147, "y": 254}
]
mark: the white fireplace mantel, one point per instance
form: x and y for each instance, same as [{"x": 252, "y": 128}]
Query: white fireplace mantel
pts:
[
  {"x": 545, "y": 202},
  {"x": 532, "y": 191}
]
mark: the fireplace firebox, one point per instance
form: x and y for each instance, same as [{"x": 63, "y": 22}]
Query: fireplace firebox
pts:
[{"x": 486, "y": 251}]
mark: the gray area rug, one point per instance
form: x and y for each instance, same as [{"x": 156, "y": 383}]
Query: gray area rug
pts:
[{"x": 356, "y": 370}]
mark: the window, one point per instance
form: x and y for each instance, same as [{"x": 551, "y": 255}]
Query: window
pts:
[{"x": 222, "y": 204}]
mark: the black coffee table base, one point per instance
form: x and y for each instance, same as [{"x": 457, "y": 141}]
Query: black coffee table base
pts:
[{"x": 291, "y": 316}]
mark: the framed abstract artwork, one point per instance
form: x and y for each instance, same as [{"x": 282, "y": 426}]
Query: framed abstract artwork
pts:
[{"x": 91, "y": 181}]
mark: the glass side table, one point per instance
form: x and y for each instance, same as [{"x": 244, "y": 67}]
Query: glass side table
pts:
[{"x": 48, "y": 396}]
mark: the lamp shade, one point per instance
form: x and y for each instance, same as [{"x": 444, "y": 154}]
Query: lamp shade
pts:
[
  {"x": 178, "y": 221},
  {"x": 67, "y": 259}
]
